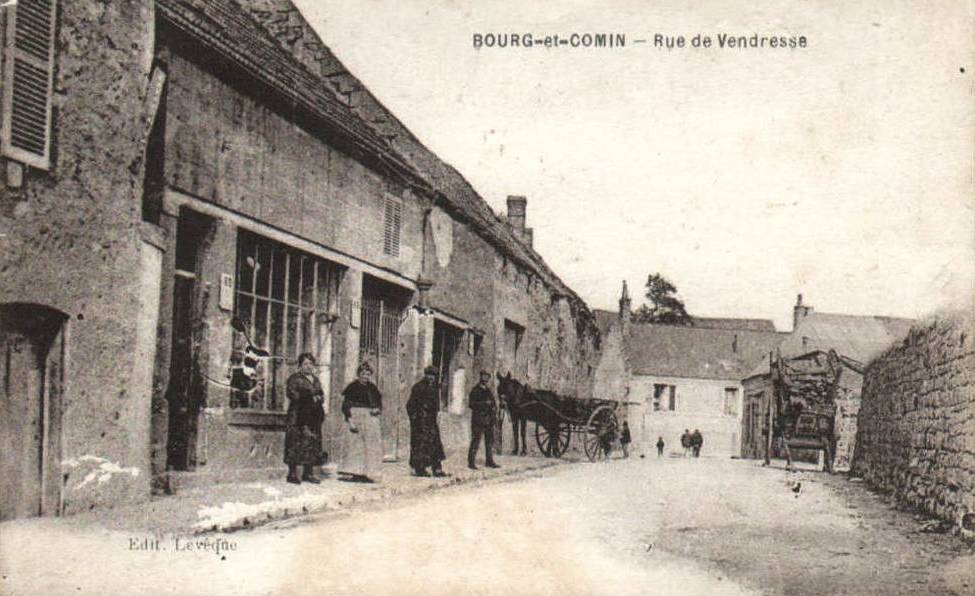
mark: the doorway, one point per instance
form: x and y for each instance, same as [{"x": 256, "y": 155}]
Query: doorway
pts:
[
  {"x": 383, "y": 308},
  {"x": 32, "y": 353},
  {"x": 185, "y": 391}
]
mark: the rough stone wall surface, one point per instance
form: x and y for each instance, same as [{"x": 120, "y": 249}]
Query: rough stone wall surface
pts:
[
  {"x": 916, "y": 428},
  {"x": 71, "y": 241}
]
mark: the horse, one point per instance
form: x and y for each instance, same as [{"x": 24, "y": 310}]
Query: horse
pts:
[{"x": 514, "y": 395}]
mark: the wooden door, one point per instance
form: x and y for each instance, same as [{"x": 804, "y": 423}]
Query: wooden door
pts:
[{"x": 31, "y": 353}]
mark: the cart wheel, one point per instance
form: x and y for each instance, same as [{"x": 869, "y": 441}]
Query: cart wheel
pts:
[
  {"x": 553, "y": 440},
  {"x": 601, "y": 433}
]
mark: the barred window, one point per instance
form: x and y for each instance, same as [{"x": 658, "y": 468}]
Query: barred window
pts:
[
  {"x": 285, "y": 299},
  {"x": 393, "y": 221},
  {"x": 28, "y": 57}
]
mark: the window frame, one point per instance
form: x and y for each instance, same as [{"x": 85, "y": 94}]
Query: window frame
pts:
[
  {"x": 11, "y": 54},
  {"x": 300, "y": 315}
]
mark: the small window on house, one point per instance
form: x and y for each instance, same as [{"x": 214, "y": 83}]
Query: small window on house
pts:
[
  {"x": 664, "y": 397},
  {"x": 731, "y": 401},
  {"x": 28, "y": 66},
  {"x": 392, "y": 223}
]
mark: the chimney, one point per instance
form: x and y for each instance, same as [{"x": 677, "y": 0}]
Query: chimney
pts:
[
  {"x": 799, "y": 312},
  {"x": 625, "y": 305},
  {"x": 517, "y": 206}
]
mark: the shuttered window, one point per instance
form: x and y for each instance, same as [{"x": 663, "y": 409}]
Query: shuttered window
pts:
[
  {"x": 28, "y": 66},
  {"x": 393, "y": 221}
]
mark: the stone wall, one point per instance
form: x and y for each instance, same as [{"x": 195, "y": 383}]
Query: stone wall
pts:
[
  {"x": 916, "y": 435},
  {"x": 70, "y": 240}
]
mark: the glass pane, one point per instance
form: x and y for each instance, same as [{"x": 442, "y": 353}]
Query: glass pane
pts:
[
  {"x": 243, "y": 309},
  {"x": 263, "y": 270},
  {"x": 245, "y": 265},
  {"x": 260, "y": 324},
  {"x": 324, "y": 286},
  {"x": 276, "y": 341},
  {"x": 294, "y": 278},
  {"x": 307, "y": 282},
  {"x": 278, "y": 271},
  {"x": 309, "y": 341},
  {"x": 292, "y": 329}
]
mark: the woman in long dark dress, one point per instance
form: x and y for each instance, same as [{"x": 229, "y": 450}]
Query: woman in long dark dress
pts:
[
  {"x": 303, "y": 437},
  {"x": 362, "y": 456}
]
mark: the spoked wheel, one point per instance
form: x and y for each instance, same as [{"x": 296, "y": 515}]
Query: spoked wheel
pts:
[
  {"x": 553, "y": 440},
  {"x": 601, "y": 433}
]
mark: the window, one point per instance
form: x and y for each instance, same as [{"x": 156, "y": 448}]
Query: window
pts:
[
  {"x": 286, "y": 300},
  {"x": 731, "y": 401},
  {"x": 662, "y": 392},
  {"x": 393, "y": 221},
  {"x": 25, "y": 132}
]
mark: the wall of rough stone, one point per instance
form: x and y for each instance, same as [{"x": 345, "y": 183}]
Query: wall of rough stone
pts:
[
  {"x": 916, "y": 428},
  {"x": 71, "y": 240}
]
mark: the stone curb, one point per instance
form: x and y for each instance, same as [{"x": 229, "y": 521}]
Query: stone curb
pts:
[{"x": 310, "y": 504}]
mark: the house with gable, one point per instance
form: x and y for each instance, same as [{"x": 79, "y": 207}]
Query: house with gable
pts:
[
  {"x": 689, "y": 376},
  {"x": 826, "y": 349}
]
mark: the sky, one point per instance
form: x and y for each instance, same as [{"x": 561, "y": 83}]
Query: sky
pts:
[{"x": 842, "y": 171}]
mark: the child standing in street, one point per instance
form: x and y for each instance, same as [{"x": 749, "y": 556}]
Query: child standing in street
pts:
[
  {"x": 660, "y": 446},
  {"x": 625, "y": 440}
]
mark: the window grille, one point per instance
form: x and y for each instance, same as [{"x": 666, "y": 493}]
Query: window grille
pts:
[
  {"x": 25, "y": 130},
  {"x": 393, "y": 222},
  {"x": 286, "y": 299}
]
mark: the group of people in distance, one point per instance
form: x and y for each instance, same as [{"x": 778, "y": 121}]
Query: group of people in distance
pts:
[
  {"x": 692, "y": 442},
  {"x": 360, "y": 458}
]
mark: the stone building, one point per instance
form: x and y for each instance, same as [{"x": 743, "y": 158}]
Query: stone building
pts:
[
  {"x": 854, "y": 339},
  {"x": 171, "y": 165},
  {"x": 689, "y": 377},
  {"x": 916, "y": 429}
]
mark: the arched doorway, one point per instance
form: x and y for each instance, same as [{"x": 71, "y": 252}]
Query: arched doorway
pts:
[{"x": 32, "y": 353}]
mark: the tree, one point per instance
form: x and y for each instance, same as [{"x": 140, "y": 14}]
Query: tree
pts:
[{"x": 665, "y": 307}]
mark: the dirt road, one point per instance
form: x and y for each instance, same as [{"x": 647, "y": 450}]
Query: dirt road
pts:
[{"x": 641, "y": 526}]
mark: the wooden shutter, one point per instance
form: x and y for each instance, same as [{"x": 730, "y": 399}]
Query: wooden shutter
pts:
[
  {"x": 28, "y": 66},
  {"x": 393, "y": 220}
]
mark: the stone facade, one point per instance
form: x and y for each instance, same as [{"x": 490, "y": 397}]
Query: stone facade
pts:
[
  {"x": 122, "y": 266},
  {"x": 916, "y": 435}
]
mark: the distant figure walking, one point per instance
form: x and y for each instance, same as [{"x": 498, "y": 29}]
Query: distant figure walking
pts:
[
  {"x": 685, "y": 441},
  {"x": 660, "y": 446},
  {"x": 625, "y": 440},
  {"x": 697, "y": 441}
]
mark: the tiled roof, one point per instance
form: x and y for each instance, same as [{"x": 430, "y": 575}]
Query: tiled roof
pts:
[
  {"x": 458, "y": 195},
  {"x": 225, "y": 27},
  {"x": 860, "y": 338},
  {"x": 694, "y": 352},
  {"x": 739, "y": 324}
]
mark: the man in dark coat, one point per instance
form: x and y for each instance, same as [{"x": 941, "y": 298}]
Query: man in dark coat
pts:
[
  {"x": 697, "y": 441},
  {"x": 303, "y": 436},
  {"x": 483, "y": 421},
  {"x": 426, "y": 449}
]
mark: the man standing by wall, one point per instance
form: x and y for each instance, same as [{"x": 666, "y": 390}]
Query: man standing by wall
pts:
[
  {"x": 483, "y": 417},
  {"x": 426, "y": 448}
]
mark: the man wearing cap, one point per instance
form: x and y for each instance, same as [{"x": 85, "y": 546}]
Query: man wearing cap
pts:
[
  {"x": 483, "y": 413},
  {"x": 426, "y": 448}
]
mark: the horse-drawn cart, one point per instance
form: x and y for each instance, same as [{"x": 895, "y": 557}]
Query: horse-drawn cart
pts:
[{"x": 558, "y": 418}]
